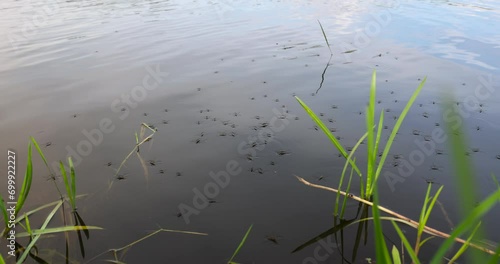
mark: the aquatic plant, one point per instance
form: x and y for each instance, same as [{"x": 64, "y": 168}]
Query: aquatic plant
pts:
[
  {"x": 69, "y": 179},
  {"x": 472, "y": 214},
  {"x": 19, "y": 251},
  {"x": 243, "y": 240},
  {"x": 374, "y": 165}
]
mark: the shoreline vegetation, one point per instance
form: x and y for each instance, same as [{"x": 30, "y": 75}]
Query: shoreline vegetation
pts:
[{"x": 66, "y": 207}]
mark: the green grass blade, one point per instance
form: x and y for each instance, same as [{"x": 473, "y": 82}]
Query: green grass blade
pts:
[
  {"x": 66, "y": 182},
  {"x": 362, "y": 187},
  {"x": 370, "y": 123},
  {"x": 40, "y": 152},
  {"x": 28, "y": 176},
  {"x": 28, "y": 226},
  {"x": 347, "y": 162},
  {"x": 423, "y": 212},
  {"x": 407, "y": 245},
  {"x": 396, "y": 258},
  {"x": 58, "y": 230},
  {"x": 73, "y": 183},
  {"x": 382, "y": 252},
  {"x": 425, "y": 240},
  {"x": 395, "y": 131},
  {"x": 473, "y": 217},
  {"x": 348, "y": 189},
  {"x": 466, "y": 245},
  {"x": 429, "y": 210},
  {"x": 4, "y": 212},
  {"x": 341, "y": 181},
  {"x": 36, "y": 237},
  {"x": 379, "y": 134},
  {"x": 42, "y": 207},
  {"x": 241, "y": 244},
  {"x": 329, "y": 134},
  {"x": 2, "y": 261},
  {"x": 49, "y": 169},
  {"x": 326, "y": 39}
]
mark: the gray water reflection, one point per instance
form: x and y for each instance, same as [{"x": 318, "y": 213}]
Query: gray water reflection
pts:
[{"x": 231, "y": 65}]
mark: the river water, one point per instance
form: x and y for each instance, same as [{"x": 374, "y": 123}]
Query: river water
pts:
[{"x": 216, "y": 79}]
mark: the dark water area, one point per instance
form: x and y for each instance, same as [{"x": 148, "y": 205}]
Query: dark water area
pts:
[{"x": 217, "y": 80}]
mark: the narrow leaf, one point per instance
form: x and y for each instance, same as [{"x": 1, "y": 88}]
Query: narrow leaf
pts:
[
  {"x": 36, "y": 237},
  {"x": 407, "y": 245},
  {"x": 396, "y": 258},
  {"x": 466, "y": 245},
  {"x": 4, "y": 212},
  {"x": 25, "y": 189},
  {"x": 325, "y": 129},
  {"x": 73, "y": 183},
  {"x": 241, "y": 243},
  {"x": 57, "y": 230},
  {"x": 381, "y": 247},
  {"x": 396, "y": 129},
  {"x": 326, "y": 39}
]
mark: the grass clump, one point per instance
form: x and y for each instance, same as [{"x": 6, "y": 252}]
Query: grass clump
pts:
[
  {"x": 21, "y": 252},
  {"x": 374, "y": 165},
  {"x": 470, "y": 227},
  {"x": 30, "y": 249}
]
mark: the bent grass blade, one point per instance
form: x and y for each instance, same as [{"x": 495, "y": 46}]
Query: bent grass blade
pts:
[
  {"x": 137, "y": 145},
  {"x": 36, "y": 237}
]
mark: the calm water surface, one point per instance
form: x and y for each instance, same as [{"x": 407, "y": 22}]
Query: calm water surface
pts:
[{"x": 228, "y": 73}]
